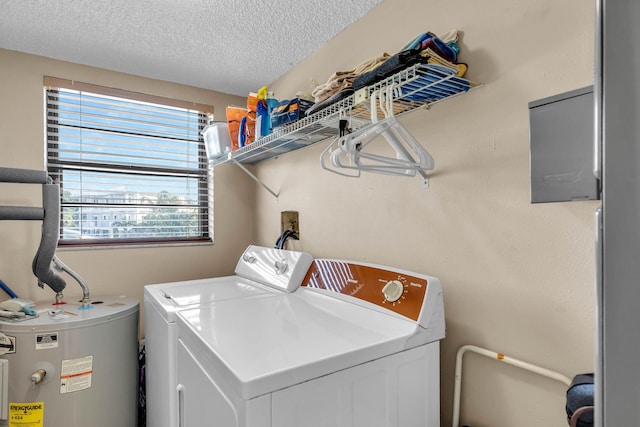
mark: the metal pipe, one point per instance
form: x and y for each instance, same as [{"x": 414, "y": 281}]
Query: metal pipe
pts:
[
  {"x": 59, "y": 298},
  {"x": 86, "y": 300},
  {"x": 578, "y": 413},
  {"x": 501, "y": 357}
]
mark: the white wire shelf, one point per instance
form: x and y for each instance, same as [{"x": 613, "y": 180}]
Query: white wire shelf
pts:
[{"x": 418, "y": 86}]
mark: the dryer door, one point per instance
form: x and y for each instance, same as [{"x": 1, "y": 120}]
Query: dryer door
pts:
[
  {"x": 401, "y": 390},
  {"x": 200, "y": 401}
]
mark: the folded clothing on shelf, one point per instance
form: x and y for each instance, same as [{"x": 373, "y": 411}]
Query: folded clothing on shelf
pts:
[
  {"x": 426, "y": 48},
  {"x": 434, "y": 58},
  {"x": 448, "y": 51},
  {"x": 395, "y": 63},
  {"x": 338, "y": 96},
  {"x": 343, "y": 79}
]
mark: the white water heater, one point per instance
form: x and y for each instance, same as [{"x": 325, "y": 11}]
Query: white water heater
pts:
[{"x": 71, "y": 366}]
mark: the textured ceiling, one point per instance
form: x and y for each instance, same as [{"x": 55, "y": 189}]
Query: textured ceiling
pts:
[{"x": 232, "y": 46}]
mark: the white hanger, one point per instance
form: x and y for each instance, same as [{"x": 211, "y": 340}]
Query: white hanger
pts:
[{"x": 350, "y": 155}]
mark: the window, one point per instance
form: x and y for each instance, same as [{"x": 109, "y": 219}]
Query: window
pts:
[{"x": 132, "y": 168}]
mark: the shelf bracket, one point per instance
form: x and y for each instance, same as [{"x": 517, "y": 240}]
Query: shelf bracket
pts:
[
  {"x": 255, "y": 178},
  {"x": 425, "y": 179}
]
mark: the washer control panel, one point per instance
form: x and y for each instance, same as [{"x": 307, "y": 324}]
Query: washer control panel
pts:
[
  {"x": 391, "y": 289},
  {"x": 276, "y": 268}
]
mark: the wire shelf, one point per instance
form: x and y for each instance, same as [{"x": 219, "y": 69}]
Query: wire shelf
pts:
[{"x": 418, "y": 86}]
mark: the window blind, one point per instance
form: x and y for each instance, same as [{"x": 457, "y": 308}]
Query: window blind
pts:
[{"x": 130, "y": 171}]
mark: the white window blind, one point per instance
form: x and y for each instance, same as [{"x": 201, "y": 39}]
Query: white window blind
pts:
[{"x": 130, "y": 170}]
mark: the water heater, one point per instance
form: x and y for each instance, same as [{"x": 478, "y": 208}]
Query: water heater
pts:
[{"x": 71, "y": 365}]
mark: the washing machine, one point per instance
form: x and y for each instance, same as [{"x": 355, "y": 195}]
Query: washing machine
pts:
[
  {"x": 356, "y": 345},
  {"x": 259, "y": 272}
]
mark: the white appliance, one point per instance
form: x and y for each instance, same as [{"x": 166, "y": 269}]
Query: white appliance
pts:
[
  {"x": 259, "y": 271},
  {"x": 356, "y": 345},
  {"x": 72, "y": 365}
]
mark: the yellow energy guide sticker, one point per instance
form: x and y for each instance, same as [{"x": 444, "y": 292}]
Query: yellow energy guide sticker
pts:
[{"x": 28, "y": 414}]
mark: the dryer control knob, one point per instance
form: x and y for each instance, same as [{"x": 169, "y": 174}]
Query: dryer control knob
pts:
[{"x": 393, "y": 290}]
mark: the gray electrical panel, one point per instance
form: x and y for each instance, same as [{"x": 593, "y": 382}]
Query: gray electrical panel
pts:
[{"x": 562, "y": 147}]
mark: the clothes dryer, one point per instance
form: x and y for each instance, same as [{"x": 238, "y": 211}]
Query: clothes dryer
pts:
[
  {"x": 356, "y": 345},
  {"x": 259, "y": 271}
]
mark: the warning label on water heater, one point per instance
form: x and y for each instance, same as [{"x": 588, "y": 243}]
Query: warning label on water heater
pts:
[
  {"x": 75, "y": 374},
  {"x": 48, "y": 340}
]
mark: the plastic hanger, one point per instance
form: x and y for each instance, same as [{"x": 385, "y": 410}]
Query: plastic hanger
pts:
[{"x": 347, "y": 155}]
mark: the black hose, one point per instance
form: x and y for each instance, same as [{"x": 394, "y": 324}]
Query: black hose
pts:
[{"x": 288, "y": 234}]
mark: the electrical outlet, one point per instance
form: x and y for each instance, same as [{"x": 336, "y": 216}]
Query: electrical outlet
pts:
[{"x": 289, "y": 221}]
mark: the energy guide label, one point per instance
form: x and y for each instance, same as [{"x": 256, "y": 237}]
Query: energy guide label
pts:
[
  {"x": 28, "y": 414},
  {"x": 75, "y": 374}
]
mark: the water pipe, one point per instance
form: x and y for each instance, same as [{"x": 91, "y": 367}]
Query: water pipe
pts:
[
  {"x": 60, "y": 266},
  {"x": 24, "y": 176},
  {"x": 41, "y": 264},
  {"x": 501, "y": 357},
  {"x": 49, "y": 214},
  {"x": 7, "y": 289}
]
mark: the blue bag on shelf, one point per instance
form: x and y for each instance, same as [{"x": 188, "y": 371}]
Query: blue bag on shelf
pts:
[{"x": 289, "y": 111}]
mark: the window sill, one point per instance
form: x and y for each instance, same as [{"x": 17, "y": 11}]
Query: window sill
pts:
[{"x": 137, "y": 245}]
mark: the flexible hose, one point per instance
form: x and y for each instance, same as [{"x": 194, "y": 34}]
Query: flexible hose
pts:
[
  {"x": 288, "y": 234},
  {"x": 7, "y": 289},
  {"x": 60, "y": 266}
]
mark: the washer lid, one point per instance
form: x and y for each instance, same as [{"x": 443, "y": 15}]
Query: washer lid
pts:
[
  {"x": 170, "y": 297},
  {"x": 267, "y": 343},
  {"x": 259, "y": 271}
]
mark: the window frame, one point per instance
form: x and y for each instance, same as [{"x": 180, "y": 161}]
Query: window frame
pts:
[{"x": 204, "y": 172}]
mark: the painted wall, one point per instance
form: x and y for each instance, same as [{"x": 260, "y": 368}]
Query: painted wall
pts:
[
  {"x": 106, "y": 271},
  {"x": 518, "y": 278}
]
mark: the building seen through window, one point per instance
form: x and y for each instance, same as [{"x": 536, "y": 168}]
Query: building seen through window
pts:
[{"x": 130, "y": 170}]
